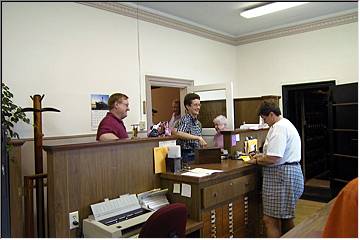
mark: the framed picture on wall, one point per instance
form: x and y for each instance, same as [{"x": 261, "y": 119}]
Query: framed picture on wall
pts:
[{"x": 99, "y": 108}]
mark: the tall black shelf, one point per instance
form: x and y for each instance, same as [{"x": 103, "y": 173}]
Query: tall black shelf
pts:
[
  {"x": 315, "y": 124},
  {"x": 343, "y": 135}
]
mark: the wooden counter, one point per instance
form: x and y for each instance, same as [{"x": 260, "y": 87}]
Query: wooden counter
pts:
[
  {"x": 80, "y": 174},
  {"x": 228, "y": 203},
  {"x": 232, "y": 147},
  {"x": 16, "y": 189}
]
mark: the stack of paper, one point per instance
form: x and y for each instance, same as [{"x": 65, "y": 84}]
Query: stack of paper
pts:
[
  {"x": 153, "y": 199},
  {"x": 200, "y": 172}
]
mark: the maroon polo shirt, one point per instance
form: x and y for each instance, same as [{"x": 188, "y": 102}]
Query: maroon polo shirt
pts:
[{"x": 111, "y": 124}]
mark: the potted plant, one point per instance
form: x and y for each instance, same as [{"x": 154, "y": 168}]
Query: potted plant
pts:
[{"x": 10, "y": 113}]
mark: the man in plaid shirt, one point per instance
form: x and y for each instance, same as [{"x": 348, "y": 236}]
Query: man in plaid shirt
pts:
[{"x": 188, "y": 128}]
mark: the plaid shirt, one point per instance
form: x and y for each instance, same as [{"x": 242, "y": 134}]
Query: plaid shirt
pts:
[{"x": 190, "y": 125}]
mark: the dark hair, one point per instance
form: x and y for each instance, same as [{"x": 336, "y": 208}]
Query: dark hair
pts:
[
  {"x": 189, "y": 97},
  {"x": 267, "y": 107},
  {"x": 114, "y": 98}
]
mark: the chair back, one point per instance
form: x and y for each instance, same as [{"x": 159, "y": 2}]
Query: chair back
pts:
[{"x": 166, "y": 222}]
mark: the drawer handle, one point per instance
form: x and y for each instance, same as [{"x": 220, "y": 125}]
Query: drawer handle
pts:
[
  {"x": 231, "y": 184},
  {"x": 214, "y": 194}
]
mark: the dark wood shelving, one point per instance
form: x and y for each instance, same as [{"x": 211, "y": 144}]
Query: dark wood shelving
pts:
[
  {"x": 345, "y": 156},
  {"x": 341, "y": 180},
  {"x": 345, "y": 104},
  {"x": 343, "y": 129}
]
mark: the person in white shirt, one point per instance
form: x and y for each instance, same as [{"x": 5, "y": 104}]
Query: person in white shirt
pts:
[
  {"x": 283, "y": 181},
  {"x": 176, "y": 113}
]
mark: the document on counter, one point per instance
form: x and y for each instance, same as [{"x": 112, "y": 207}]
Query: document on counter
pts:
[
  {"x": 159, "y": 159},
  {"x": 167, "y": 143},
  {"x": 176, "y": 188},
  {"x": 186, "y": 190},
  {"x": 200, "y": 172}
]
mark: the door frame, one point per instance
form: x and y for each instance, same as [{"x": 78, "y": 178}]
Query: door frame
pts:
[
  {"x": 156, "y": 81},
  {"x": 301, "y": 86},
  {"x": 229, "y": 99},
  {"x": 285, "y": 101}
]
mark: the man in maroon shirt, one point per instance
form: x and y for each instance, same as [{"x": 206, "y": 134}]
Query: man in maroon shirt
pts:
[{"x": 111, "y": 126}]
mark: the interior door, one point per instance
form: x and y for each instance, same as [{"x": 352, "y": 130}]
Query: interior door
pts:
[{"x": 212, "y": 92}]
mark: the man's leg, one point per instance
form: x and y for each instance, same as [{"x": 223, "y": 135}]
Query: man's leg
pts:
[
  {"x": 287, "y": 225},
  {"x": 272, "y": 226}
]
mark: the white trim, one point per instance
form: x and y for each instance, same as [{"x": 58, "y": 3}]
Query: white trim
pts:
[
  {"x": 157, "y": 81},
  {"x": 129, "y": 11}
]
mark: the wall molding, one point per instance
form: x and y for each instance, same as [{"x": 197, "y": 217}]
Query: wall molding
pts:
[
  {"x": 300, "y": 28},
  {"x": 161, "y": 20},
  {"x": 147, "y": 16}
]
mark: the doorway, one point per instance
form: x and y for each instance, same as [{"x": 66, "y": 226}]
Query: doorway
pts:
[
  {"x": 161, "y": 99},
  {"x": 306, "y": 106}
]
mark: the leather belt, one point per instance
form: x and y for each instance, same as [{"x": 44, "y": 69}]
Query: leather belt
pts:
[{"x": 291, "y": 163}]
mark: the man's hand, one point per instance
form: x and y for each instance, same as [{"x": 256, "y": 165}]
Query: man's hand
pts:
[
  {"x": 255, "y": 158},
  {"x": 252, "y": 159},
  {"x": 202, "y": 142}
]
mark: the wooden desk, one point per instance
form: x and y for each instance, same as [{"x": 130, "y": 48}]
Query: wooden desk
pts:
[
  {"x": 80, "y": 174},
  {"x": 192, "y": 227},
  {"x": 312, "y": 226},
  {"x": 227, "y": 203}
]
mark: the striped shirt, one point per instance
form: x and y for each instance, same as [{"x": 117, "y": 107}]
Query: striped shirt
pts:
[{"x": 190, "y": 125}]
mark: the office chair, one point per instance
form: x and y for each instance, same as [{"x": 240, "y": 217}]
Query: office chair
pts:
[{"x": 167, "y": 222}]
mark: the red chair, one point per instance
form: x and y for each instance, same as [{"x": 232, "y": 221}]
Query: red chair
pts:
[{"x": 167, "y": 222}]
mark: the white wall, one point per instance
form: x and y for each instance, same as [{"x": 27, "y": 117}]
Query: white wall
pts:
[
  {"x": 68, "y": 51},
  {"x": 327, "y": 54}
]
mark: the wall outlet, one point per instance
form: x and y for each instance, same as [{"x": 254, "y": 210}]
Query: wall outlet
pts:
[{"x": 74, "y": 220}]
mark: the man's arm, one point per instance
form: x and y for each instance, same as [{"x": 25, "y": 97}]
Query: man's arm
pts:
[
  {"x": 107, "y": 137},
  {"x": 187, "y": 136},
  {"x": 263, "y": 159}
]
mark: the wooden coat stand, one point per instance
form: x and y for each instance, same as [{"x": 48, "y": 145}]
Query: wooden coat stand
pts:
[{"x": 38, "y": 143}]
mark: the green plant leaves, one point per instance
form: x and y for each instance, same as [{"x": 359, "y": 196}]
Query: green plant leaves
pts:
[{"x": 10, "y": 112}]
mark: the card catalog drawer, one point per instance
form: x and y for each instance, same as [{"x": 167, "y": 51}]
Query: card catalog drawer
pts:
[{"x": 227, "y": 190}]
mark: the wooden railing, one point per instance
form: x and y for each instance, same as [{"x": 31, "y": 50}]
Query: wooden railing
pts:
[{"x": 30, "y": 183}]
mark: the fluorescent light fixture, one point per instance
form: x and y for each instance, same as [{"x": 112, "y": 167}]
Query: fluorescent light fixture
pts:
[{"x": 269, "y": 8}]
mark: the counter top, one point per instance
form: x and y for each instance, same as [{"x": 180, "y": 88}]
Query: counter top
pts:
[
  {"x": 228, "y": 167},
  {"x": 69, "y": 144}
]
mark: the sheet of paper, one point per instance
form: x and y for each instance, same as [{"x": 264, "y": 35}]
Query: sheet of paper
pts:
[
  {"x": 167, "y": 143},
  {"x": 191, "y": 174},
  {"x": 186, "y": 190},
  {"x": 176, "y": 188},
  {"x": 159, "y": 159},
  {"x": 204, "y": 171},
  {"x": 237, "y": 137}
]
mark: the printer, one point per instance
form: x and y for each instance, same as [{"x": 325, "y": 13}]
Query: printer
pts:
[{"x": 119, "y": 217}]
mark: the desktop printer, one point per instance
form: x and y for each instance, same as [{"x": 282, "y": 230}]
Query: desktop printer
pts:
[{"x": 119, "y": 217}]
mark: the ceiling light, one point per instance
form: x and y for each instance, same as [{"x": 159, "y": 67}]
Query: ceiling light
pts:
[{"x": 269, "y": 8}]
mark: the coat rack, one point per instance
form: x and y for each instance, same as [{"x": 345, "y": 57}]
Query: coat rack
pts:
[{"x": 38, "y": 143}]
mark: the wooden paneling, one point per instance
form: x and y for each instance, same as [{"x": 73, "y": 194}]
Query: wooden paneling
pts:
[
  {"x": 245, "y": 110},
  {"x": 210, "y": 110},
  {"x": 79, "y": 176},
  {"x": 16, "y": 190}
]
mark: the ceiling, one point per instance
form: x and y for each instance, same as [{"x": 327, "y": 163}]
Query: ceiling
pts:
[{"x": 224, "y": 18}]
